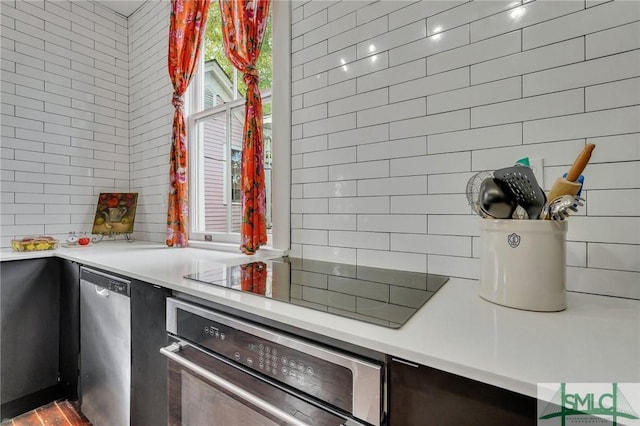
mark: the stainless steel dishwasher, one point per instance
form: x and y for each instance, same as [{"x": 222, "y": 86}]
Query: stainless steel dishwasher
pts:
[{"x": 105, "y": 348}]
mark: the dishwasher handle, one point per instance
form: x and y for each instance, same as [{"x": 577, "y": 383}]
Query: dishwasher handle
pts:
[{"x": 102, "y": 291}]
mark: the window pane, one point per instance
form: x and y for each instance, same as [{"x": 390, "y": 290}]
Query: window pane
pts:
[
  {"x": 264, "y": 60},
  {"x": 237, "y": 125},
  {"x": 268, "y": 155},
  {"x": 218, "y": 70},
  {"x": 218, "y": 87},
  {"x": 222, "y": 82},
  {"x": 213, "y": 131},
  {"x": 219, "y": 155},
  {"x": 236, "y": 167}
]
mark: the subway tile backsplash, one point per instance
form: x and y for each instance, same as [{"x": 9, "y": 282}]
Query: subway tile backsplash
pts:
[
  {"x": 151, "y": 117},
  {"x": 395, "y": 105},
  {"x": 442, "y": 89},
  {"x": 65, "y": 114}
]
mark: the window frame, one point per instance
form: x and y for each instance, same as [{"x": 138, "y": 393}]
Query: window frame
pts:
[{"x": 280, "y": 238}]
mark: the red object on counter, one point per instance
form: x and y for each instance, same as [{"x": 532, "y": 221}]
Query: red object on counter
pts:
[{"x": 83, "y": 241}]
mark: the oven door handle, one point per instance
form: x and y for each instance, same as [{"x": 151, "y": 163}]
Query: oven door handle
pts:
[{"x": 170, "y": 352}]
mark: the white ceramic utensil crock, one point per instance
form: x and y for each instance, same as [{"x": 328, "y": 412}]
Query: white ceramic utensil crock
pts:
[{"x": 523, "y": 263}]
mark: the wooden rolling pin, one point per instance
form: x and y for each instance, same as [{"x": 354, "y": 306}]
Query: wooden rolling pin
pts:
[{"x": 568, "y": 185}]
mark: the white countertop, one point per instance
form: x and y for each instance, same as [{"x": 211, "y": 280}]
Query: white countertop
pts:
[{"x": 597, "y": 339}]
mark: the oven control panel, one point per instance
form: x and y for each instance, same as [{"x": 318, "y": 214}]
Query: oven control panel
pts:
[
  {"x": 267, "y": 358},
  {"x": 288, "y": 364}
]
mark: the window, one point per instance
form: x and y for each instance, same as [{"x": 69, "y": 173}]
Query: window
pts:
[
  {"x": 216, "y": 120},
  {"x": 236, "y": 160}
]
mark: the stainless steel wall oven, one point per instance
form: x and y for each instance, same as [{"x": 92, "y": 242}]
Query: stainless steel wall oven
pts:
[{"x": 225, "y": 370}]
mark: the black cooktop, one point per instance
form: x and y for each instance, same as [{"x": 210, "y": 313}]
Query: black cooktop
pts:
[{"x": 384, "y": 297}]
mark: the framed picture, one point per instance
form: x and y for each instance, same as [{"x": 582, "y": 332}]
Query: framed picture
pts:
[{"x": 115, "y": 213}]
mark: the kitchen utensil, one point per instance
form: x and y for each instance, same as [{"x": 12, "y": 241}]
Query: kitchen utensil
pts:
[
  {"x": 496, "y": 199},
  {"x": 580, "y": 181},
  {"x": 560, "y": 207},
  {"x": 520, "y": 214},
  {"x": 522, "y": 263},
  {"x": 522, "y": 182},
  {"x": 473, "y": 190},
  {"x": 569, "y": 186}
]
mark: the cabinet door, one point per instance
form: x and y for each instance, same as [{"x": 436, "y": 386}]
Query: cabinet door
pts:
[
  {"x": 149, "y": 367},
  {"x": 420, "y": 395},
  {"x": 30, "y": 312},
  {"x": 69, "y": 327}
]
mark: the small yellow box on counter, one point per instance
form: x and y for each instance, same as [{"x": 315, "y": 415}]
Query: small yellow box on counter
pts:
[{"x": 38, "y": 243}]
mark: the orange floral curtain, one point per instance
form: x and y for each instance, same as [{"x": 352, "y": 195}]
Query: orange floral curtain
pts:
[
  {"x": 243, "y": 26},
  {"x": 187, "y": 24}
]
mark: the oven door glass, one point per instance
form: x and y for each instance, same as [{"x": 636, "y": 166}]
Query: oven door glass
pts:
[{"x": 205, "y": 389}]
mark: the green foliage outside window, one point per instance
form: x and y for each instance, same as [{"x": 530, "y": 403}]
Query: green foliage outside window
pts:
[{"x": 214, "y": 49}]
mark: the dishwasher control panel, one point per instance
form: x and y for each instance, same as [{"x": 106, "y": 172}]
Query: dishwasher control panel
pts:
[
  {"x": 118, "y": 287},
  {"x": 106, "y": 281}
]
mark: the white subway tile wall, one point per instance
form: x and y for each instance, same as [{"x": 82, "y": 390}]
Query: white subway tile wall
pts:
[
  {"x": 65, "y": 114},
  {"x": 420, "y": 95},
  {"x": 151, "y": 117},
  {"x": 395, "y": 105}
]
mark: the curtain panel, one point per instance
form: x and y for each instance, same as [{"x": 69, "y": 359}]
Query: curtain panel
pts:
[
  {"x": 243, "y": 26},
  {"x": 187, "y": 25}
]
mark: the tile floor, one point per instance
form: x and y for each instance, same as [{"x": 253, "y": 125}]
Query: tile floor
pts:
[{"x": 58, "y": 413}]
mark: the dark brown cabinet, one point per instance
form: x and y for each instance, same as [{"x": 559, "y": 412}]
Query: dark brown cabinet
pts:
[
  {"x": 69, "y": 327},
  {"x": 30, "y": 314},
  {"x": 420, "y": 395},
  {"x": 149, "y": 367}
]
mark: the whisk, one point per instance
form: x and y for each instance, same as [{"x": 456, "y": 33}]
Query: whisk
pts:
[{"x": 473, "y": 190}]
